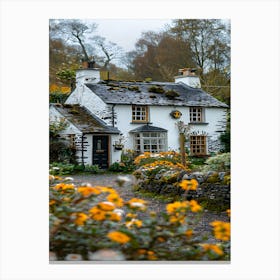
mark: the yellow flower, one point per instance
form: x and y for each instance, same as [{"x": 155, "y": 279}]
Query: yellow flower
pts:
[
  {"x": 151, "y": 255},
  {"x": 97, "y": 214},
  {"x": 228, "y": 212},
  {"x": 118, "y": 237},
  {"x": 189, "y": 184},
  {"x": 133, "y": 222},
  {"x": 221, "y": 230},
  {"x": 189, "y": 233},
  {"x": 114, "y": 217},
  {"x": 141, "y": 251},
  {"x": 176, "y": 206},
  {"x": 195, "y": 207},
  {"x": 136, "y": 203},
  {"x": 64, "y": 187},
  {"x": 106, "y": 206},
  {"x": 212, "y": 247},
  {"x": 114, "y": 198},
  {"x": 80, "y": 218},
  {"x": 177, "y": 218},
  {"x": 87, "y": 191},
  {"x": 131, "y": 215},
  {"x": 51, "y": 202}
]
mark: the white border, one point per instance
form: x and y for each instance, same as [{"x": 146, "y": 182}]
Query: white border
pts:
[{"x": 255, "y": 138}]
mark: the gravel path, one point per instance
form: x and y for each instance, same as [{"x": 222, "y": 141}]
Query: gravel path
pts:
[{"x": 126, "y": 192}]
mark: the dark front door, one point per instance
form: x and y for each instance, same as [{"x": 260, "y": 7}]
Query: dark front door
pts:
[{"x": 100, "y": 151}]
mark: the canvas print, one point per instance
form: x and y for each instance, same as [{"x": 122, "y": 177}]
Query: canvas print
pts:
[{"x": 139, "y": 140}]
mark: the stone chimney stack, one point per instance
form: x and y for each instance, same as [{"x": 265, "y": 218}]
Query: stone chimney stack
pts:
[
  {"x": 188, "y": 77},
  {"x": 88, "y": 74}
]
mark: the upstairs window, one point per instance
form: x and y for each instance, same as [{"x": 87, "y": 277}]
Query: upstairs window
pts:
[
  {"x": 140, "y": 114},
  {"x": 196, "y": 114},
  {"x": 198, "y": 145}
]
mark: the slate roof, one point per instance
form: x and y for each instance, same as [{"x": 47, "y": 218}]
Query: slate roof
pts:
[
  {"x": 138, "y": 93},
  {"x": 86, "y": 122},
  {"x": 148, "y": 128}
]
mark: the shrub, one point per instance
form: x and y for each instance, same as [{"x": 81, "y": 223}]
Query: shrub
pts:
[
  {"x": 127, "y": 162},
  {"x": 95, "y": 223},
  {"x": 59, "y": 168},
  {"x": 217, "y": 163}
]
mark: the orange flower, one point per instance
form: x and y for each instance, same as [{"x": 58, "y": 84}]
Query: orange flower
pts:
[
  {"x": 80, "y": 218},
  {"x": 114, "y": 198},
  {"x": 97, "y": 214},
  {"x": 133, "y": 222},
  {"x": 106, "y": 206},
  {"x": 114, "y": 217},
  {"x": 221, "y": 230},
  {"x": 212, "y": 247},
  {"x": 87, "y": 191},
  {"x": 176, "y": 206},
  {"x": 189, "y": 184},
  {"x": 118, "y": 237},
  {"x": 195, "y": 207},
  {"x": 189, "y": 233},
  {"x": 64, "y": 187}
]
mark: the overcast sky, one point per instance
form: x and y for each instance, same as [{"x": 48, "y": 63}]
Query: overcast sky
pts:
[{"x": 125, "y": 32}]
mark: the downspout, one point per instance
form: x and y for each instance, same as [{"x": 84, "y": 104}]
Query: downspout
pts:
[
  {"x": 83, "y": 149},
  {"x": 113, "y": 114}
]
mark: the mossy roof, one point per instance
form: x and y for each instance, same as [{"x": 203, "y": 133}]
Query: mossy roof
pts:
[
  {"x": 139, "y": 93},
  {"x": 85, "y": 121}
]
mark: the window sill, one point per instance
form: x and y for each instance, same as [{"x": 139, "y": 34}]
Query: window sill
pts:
[
  {"x": 202, "y": 123},
  {"x": 140, "y": 122}
]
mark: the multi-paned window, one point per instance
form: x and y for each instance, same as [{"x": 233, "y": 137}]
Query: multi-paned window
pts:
[
  {"x": 198, "y": 145},
  {"x": 153, "y": 142},
  {"x": 140, "y": 114},
  {"x": 196, "y": 114}
]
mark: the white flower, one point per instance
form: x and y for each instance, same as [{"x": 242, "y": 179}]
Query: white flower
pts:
[
  {"x": 137, "y": 205},
  {"x": 55, "y": 168},
  {"x": 51, "y": 177},
  {"x": 68, "y": 179},
  {"x": 119, "y": 212},
  {"x": 106, "y": 255},
  {"x": 86, "y": 185},
  {"x": 74, "y": 257},
  {"x": 121, "y": 180}
]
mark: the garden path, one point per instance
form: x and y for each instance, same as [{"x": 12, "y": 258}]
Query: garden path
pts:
[{"x": 126, "y": 193}]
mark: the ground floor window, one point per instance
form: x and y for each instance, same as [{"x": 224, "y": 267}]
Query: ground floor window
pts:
[
  {"x": 198, "y": 145},
  {"x": 153, "y": 142}
]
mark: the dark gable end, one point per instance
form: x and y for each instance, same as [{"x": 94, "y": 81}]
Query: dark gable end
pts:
[
  {"x": 153, "y": 93},
  {"x": 86, "y": 122}
]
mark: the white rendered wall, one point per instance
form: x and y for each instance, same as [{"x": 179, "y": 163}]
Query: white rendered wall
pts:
[
  {"x": 87, "y": 76},
  {"x": 85, "y": 97},
  {"x": 160, "y": 117}
]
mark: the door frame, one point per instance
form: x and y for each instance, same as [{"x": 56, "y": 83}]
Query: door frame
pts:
[{"x": 108, "y": 147}]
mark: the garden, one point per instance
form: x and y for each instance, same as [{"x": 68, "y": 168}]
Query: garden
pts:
[{"x": 98, "y": 222}]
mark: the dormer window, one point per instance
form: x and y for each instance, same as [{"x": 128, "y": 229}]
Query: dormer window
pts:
[
  {"x": 196, "y": 115},
  {"x": 140, "y": 114}
]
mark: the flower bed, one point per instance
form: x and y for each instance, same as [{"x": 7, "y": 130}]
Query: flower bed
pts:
[{"x": 95, "y": 223}]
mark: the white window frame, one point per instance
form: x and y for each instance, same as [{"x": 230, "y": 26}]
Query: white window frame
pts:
[
  {"x": 153, "y": 142},
  {"x": 197, "y": 114},
  {"x": 140, "y": 114}
]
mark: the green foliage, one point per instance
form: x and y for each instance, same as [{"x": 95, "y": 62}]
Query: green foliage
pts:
[
  {"x": 171, "y": 94},
  {"x": 83, "y": 221},
  {"x": 55, "y": 127},
  {"x": 60, "y": 168},
  {"x": 225, "y": 140},
  {"x": 156, "y": 89},
  {"x": 220, "y": 162},
  {"x": 127, "y": 162}
]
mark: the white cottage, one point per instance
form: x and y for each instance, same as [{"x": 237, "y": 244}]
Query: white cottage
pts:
[{"x": 144, "y": 114}]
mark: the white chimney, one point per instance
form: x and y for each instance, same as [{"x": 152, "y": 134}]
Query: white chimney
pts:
[
  {"x": 87, "y": 75},
  {"x": 188, "y": 77}
]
